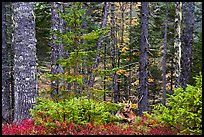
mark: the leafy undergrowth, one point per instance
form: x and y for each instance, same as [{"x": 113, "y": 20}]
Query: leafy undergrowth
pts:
[{"x": 141, "y": 126}]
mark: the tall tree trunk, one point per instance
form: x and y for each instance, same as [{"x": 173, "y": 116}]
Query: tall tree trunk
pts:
[
  {"x": 187, "y": 42},
  {"x": 130, "y": 36},
  {"x": 113, "y": 53},
  {"x": 61, "y": 29},
  {"x": 171, "y": 76},
  {"x": 61, "y": 46},
  {"x": 25, "y": 84},
  {"x": 56, "y": 50},
  {"x": 143, "y": 75},
  {"x": 183, "y": 39},
  {"x": 100, "y": 41},
  {"x": 5, "y": 71},
  {"x": 55, "y": 24},
  {"x": 122, "y": 25},
  {"x": 104, "y": 82},
  {"x": 177, "y": 43},
  {"x": 10, "y": 40},
  {"x": 164, "y": 57},
  {"x": 66, "y": 52}
]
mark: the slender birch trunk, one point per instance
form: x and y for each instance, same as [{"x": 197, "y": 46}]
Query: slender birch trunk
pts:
[{"x": 177, "y": 43}]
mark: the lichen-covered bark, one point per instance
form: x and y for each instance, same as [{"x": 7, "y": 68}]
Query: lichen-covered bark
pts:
[
  {"x": 5, "y": 71},
  {"x": 187, "y": 41},
  {"x": 61, "y": 46},
  {"x": 143, "y": 74},
  {"x": 177, "y": 43},
  {"x": 57, "y": 50},
  {"x": 25, "y": 85}
]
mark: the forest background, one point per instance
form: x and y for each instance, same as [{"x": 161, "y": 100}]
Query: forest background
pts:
[{"x": 105, "y": 51}]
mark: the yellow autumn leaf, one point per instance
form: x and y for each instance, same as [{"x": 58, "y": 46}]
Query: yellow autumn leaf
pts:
[
  {"x": 126, "y": 39},
  {"x": 124, "y": 49},
  {"x": 119, "y": 45},
  {"x": 150, "y": 80},
  {"x": 135, "y": 22},
  {"x": 108, "y": 78},
  {"x": 117, "y": 4},
  {"x": 119, "y": 80},
  {"x": 120, "y": 71},
  {"x": 134, "y": 106},
  {"x": 135, "y": 83},
  {"x": 125, "y": 32},
  {"x": 126, "y": 74}
]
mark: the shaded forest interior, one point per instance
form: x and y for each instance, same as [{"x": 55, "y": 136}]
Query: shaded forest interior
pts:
[
  {"x": 105, "y": 51},
  {"x": 124, "y": 30}
]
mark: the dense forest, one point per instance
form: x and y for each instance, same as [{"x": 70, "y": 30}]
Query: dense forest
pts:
[{"x": 72, "y": 68}]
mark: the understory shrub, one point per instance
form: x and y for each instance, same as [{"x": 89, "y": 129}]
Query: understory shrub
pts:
[
  {"x": 184, "y": 110},
  {"x": 26, "y": 127},
  {"x": 143, "y": 127},
  {"x": 77, "y": 110},
  {"x": 146, "y": 125}
]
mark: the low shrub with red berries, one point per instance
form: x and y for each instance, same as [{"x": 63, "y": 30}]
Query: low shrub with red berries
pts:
[
  {"x": 27, "y": 127},
  {"x": 142, "y": 126}
]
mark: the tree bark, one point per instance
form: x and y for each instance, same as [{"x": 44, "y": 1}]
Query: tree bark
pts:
[
  {"x": 129, "y": 75},
  {"x": 164, "y": 57},
  {"x": 177, "y": 43},
  {"x": 143, "y": 75},
  {"x": 57, "y": 50},
  {"x": 10, "y": 43},
  {"x": 61, "y": 29},
  {"x": 187, "y": 42},
  {"x": 113, "y": 53},
  {"x": 25, "y": 85},
  {"x": 66, "y": 52},
  {"x": 60, "y": 46},
  {"x": 5, "y": 71}
]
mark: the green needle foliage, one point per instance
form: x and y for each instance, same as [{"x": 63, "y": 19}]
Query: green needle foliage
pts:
[
  {"x": 185, "y": 111},
  {"x": 77, "y": 110},
  {"x": 79, "y": 45}
]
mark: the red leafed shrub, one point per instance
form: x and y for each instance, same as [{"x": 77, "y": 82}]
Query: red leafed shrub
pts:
[
  {"x": 111, "y": 129},
  {"x": 148, "y": 126},
  {"x": 161, "y": 130},
  {"x": 26, "y": 127},
  {"x": 65, "y": 128},
  {"x": 144, "y": 126}
]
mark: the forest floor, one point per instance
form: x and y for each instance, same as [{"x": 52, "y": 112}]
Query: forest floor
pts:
[{"x": 139, "y": 127}]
